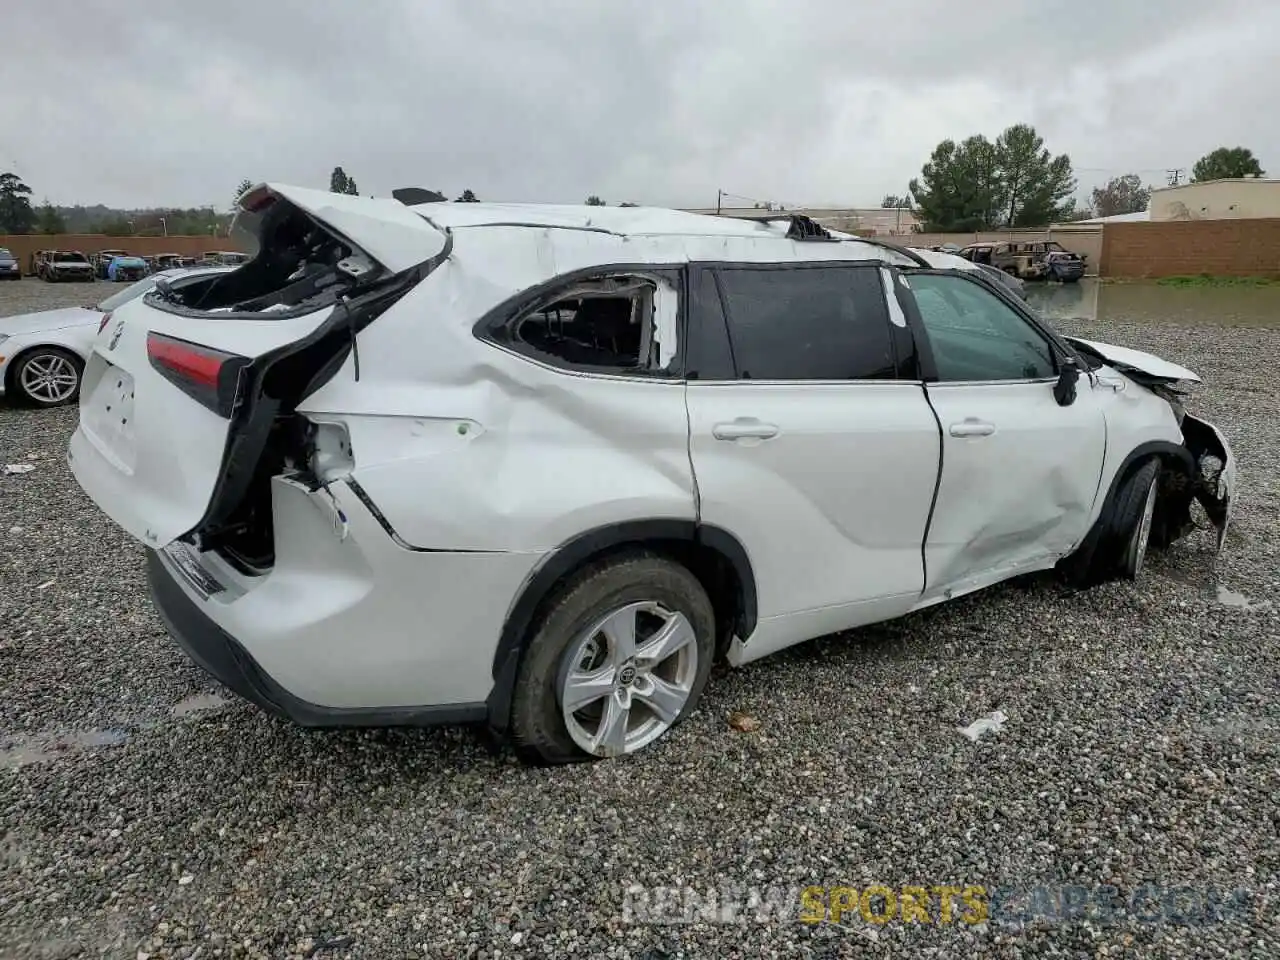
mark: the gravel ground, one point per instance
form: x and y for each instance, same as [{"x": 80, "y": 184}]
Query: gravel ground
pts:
[{"x": 143, "y": 815}]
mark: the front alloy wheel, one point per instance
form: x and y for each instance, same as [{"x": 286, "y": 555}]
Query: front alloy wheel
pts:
[
  {"x": 48, "y": 377},
  {"x": 1136, "y": 554}
]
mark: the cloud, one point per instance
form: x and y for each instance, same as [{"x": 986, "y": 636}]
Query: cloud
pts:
[{"x": 805, "y": 101}]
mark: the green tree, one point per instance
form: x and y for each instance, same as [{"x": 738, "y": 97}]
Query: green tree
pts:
[
  {"x": 116, "y": 227},
  {"x": 339, "y": 182},
  {"x": 958, "y": 189},
  {"x": 1226, "y": 163},
  {"x": 979, "y": 185},
  {"x": 467, "y": 197},
  {"x": 16, "y": 215},
  {"x": 49, "y": 220},
  {"x": 892, "y": 201},
  {"x": 1037, "y": 187},
  {"x": 594, "y": 201},
  {"x": 1124, "y": 194}
]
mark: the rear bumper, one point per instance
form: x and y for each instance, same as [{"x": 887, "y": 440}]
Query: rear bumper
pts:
[
  {"x": 222, "y": 657},
  {"x": 348, "y": 628}
]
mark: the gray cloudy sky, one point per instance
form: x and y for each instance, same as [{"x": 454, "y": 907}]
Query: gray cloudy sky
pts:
[{"x": 656, "y": 101}]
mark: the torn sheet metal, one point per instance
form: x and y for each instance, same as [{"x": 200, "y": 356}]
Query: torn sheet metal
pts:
[
  {"x": 1125, "y": 358},
  {"x": 386, "y": 230}
]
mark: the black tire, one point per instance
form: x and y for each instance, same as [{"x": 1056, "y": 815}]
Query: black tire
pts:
[
  {"x": 16, "y": 386},
  {"x": 1115, "y": 548},
  {"x": 1134, "y": 512},
  {"x": 538, "y": 729}
]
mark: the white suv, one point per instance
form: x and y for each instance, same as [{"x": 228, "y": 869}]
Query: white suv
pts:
[{"x": 540, "y": 466}]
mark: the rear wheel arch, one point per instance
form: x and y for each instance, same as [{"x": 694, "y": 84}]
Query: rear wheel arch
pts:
[{"x": 713, "y": 555}]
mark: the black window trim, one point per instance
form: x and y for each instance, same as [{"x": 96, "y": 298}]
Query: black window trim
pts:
[
  {"x": 1059, "y": 349},
  {"x": 494, "y": 326},
  {"x": 897, "y": 340}
]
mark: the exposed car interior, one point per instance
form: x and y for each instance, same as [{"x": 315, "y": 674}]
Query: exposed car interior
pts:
[{"x": 606, "y": 323}]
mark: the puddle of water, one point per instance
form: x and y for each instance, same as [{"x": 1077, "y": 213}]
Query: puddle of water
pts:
[
  {"x": 1150, "y": 302},
  {"x": 198, "y": 703},
  {"x": 1230, "y": 598},
  {"x": 20, "y": 752}
]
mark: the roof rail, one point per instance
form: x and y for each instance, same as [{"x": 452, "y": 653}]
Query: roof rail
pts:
[
  {"x": 806, "y": 228},
  {"x": 904, "y": 251}
]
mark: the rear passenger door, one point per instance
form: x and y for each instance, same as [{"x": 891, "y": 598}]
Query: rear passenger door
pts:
[{"x": 811, "y": 440}]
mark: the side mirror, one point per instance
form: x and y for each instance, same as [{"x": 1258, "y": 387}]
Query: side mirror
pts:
[{"x": 1064, "y": 391}]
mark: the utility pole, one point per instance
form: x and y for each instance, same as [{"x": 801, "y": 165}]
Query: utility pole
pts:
[
  {"x": 719, "y": 195},
  {"x": 1175, "y": 176}
]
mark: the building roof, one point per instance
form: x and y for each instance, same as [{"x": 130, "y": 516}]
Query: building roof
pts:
[
  {"x": 1202, "y": 183},
  {"x": 1139, "y": 217}
]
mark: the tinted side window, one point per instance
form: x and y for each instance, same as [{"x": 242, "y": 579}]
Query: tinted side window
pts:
[
  {"x": 709, "y": 355},
  {"x": 975, "y": 335},
  {"x": 808, "y": 323}
]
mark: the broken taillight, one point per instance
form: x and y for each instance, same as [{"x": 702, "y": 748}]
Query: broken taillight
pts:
[{"x": 203, "y": 373}]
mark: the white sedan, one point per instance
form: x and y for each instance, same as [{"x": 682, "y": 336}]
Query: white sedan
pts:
[{"x": 43, "y": 354}]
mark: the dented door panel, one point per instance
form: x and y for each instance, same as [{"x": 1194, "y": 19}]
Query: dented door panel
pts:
[{"x": 1017, "y": 493}]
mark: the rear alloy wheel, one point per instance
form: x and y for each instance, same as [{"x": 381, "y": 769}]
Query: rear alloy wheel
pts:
[
  {"x": 48, "y": 377},
  {"x": 619, "y": 658}
]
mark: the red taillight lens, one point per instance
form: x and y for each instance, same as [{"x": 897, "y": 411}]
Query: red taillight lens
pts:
[
  {"x": 102, "y": 325},
  {"x": 210, "y": 376}
]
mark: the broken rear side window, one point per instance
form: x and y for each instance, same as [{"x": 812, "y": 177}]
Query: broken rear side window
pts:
[{"x": 616, "y": 324}]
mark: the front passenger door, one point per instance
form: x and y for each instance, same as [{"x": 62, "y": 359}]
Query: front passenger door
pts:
[{"x": 1019, "y": 472}]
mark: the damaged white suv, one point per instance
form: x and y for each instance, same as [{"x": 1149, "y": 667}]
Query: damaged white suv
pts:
[{"x": 540, "y": 466}]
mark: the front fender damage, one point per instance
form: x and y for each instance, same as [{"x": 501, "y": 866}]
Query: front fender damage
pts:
[
  {"x": 1210, "y": 484},
  {"x": 1214, "y": 483}
]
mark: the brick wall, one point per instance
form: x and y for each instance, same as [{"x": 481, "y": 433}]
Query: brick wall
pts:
[
  {"x": 23, "y": 246},
  {"x": 1225, "y": 248}
]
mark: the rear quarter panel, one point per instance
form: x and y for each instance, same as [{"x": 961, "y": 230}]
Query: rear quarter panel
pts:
[{"x": 465, "y": 446}]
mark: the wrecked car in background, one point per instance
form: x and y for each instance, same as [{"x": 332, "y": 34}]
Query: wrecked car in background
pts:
[
  {"x": 102, "y": 259},
  {"x": 540, "y": 466},
  {"x": 10, "y": 268},
  {"x": 1028, "y": 260},
  {"x": 60, "y": 265},
  {"x": 125, "y": 267}
]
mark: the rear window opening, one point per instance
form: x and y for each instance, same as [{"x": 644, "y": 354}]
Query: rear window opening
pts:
[
  {"x": 617, "y": 323},
  {"x": 300, "y": 266}
]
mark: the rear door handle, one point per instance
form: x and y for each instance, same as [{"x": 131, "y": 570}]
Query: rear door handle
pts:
[
  {"x": 744, "y": 428},
  {"x": 971, "y": 427}
]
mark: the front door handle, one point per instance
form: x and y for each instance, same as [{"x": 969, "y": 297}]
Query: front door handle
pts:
[
  {"x": 971, "y": 427},
  {"x": 744, "y": 428}
]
